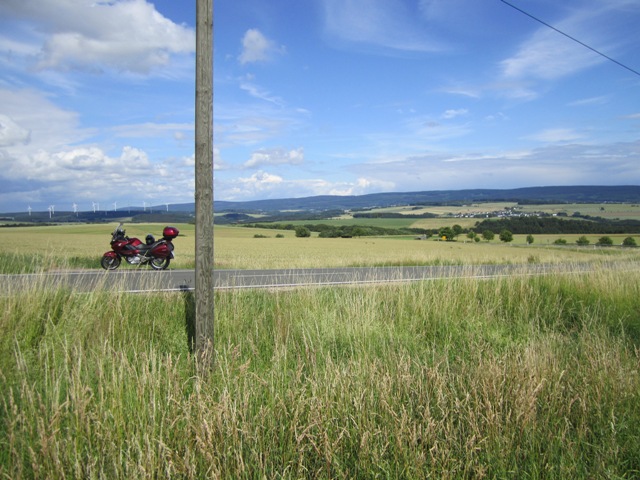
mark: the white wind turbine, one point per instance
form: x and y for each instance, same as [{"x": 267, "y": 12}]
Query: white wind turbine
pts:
[
  {"x": 115, "y": 206},
  {"x": 51, "y": 210},
  {"x": 29, "y": 209},
  {"x": 93, "y": 204},
  {"x": 75, "y": 209}
]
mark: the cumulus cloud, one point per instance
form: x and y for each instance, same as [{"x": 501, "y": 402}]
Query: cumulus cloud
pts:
[
  {"x": 257, "y": 48},
  {"x": 121, "y": 35},
  {"x": 275, "y": 156},
  {"x": 45, "y": 156},
  {"x": 88, "y": 173},
  {"x": 262, "y": 185}
]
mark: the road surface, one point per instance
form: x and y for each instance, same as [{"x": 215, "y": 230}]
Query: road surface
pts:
[{"x": 144, "y": 280}]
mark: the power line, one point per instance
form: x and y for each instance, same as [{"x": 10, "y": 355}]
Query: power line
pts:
[{"x": 572, "y": 38}]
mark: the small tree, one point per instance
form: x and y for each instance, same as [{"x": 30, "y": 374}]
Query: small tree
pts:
[
  {"x": 529, "y": 239},
  {"x": 446, "y": 233},
  {"x": 629, "y": 242},
  {"x": 302, "y": 232},
  {"x": 457, "y": 230},
  {"x": 488, "y": 235},
  {"x": 506, "y": 236},
  {"x": 605, "y": 241},
  {"x": 582, "y": 241}
]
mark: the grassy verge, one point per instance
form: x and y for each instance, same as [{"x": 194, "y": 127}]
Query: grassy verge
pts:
[{"x": 510, "y": 378}]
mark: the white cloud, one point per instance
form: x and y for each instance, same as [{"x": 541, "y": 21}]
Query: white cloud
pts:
[
  {"x": 44, "y": 156},
  {"x": 560, "y": 164},
  {"x": 259, "y": 184},
  {"x": 49, "y": 126},
  {"x": 258, "y": 92},
  {"x": 585, "y": 102},
  {"x": 11, "y": 133},
  {"x": 120, "y": 35},
  {"x": 547, "y": 55},
  {"x": 262, "y": 185},
  {"x": 257, "y": 48},
  {"x": 361, "y": 186},
  {"x": 275, "y": 156},
  {"x": 453, "y": 113},
  {"x": 383, "y": 23},
  {"x": 88, "y": 173},
  {"x": 556, "y": 135}
]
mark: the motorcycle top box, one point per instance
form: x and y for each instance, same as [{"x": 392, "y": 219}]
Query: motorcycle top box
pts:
[{"x": 170, "y": 233}]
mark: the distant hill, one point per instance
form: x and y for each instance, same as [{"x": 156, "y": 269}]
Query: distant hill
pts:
[
  {"x": 567, "y": 194},
  {"x": 184, "y": 211}
]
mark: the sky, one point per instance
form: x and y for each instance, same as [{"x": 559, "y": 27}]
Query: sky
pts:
[{"x": 314, "y": 97}]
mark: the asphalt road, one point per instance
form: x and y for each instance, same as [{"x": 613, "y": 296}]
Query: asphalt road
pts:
[{"x": 145, "y": 280}]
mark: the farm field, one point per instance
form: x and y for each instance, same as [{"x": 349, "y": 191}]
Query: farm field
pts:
[
  {"x": 606, "y": 210},
  {"x": 443, "y": 210},
  {"x": 81, "y": 246},
  {"x": 623, "y": 211}
]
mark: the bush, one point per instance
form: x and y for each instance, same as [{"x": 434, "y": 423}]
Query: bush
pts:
[
  {"x": 605, "y": 241},
  {"x": 560, "y": 241},
  {"x": 303, "y": 232},
  {"x": 629, "y": 242},
  {"x": 582, "y": 241}
]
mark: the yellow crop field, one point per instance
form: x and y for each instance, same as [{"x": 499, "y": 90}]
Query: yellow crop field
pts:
[{"x": 238, "y": 247}]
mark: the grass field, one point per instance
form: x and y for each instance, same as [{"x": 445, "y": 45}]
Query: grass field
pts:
[
  {"x": 511, "y": 378},
  {"x": 81, "y": 246}
]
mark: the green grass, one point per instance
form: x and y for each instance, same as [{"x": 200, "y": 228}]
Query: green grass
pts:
[{"x": 510, "y": 378}]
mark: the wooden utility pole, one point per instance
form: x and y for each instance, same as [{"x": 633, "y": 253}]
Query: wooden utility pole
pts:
[{"x": 204, "y": 314}]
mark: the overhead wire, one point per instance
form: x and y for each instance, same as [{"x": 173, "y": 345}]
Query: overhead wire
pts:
[{"x": 570, "y": 37}]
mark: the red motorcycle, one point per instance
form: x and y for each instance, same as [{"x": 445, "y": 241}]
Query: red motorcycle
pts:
[{"x": 158, "y": 253}]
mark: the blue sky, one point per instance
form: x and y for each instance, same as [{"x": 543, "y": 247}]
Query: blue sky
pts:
[{"x": 314, "y": 97}]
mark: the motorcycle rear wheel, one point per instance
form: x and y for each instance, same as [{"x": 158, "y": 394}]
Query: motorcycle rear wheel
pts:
[
  {"x": 110, "y": 263},
  {"x": 160, "y": 263}
]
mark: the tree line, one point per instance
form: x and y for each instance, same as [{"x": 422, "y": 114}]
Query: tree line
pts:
[
  {"x": 344, "y": 231},
  {"x": 513, "y": 225},
  {"x": 554, "y": 225}
]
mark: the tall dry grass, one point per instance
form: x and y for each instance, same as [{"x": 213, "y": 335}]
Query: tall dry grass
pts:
[{"x": 510, "y": 378}]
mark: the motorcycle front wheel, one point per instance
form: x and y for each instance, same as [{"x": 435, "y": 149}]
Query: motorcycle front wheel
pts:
[
  {"x": 160, "y": 263},
  {"x": 110, "y": 263}
]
